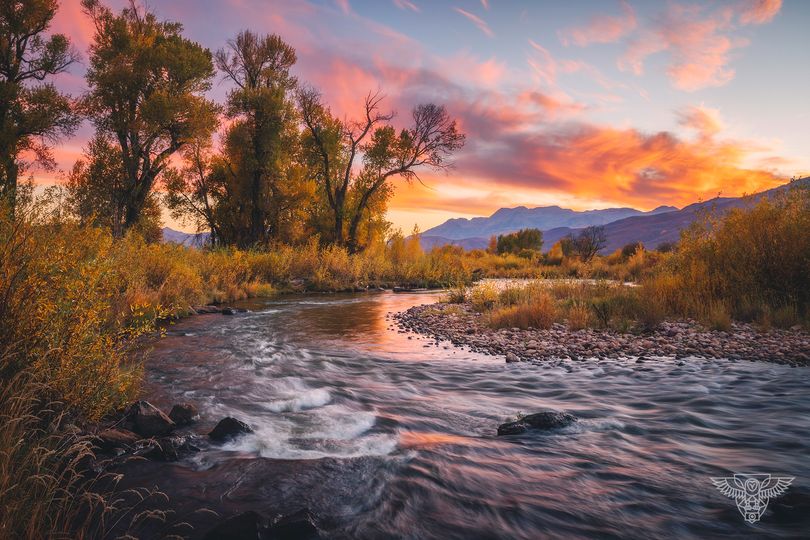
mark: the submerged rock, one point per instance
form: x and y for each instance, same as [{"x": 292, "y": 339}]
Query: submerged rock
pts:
[
  {"x": 148, "y": 420},
  {"x": 228, "y": 428},
  {"x": 541, "y": 420},
  {"x": 245, "y": 526},
  {"x": 297, "y": 526},
  {"x": 252, "y": 525},
  {"x": 183, "y": 414}
]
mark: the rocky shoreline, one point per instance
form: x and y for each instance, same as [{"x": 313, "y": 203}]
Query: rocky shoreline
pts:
[{"x": 460, "y": 325}]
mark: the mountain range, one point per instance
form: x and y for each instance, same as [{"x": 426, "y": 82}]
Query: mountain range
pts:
[{"x": 622, "y": 225}]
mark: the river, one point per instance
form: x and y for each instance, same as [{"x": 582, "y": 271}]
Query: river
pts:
[{"x": 385, "y": 434}]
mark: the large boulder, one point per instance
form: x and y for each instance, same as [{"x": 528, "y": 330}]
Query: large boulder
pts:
[
  {"x": 229, "y": 428},
  {"x": 183, "y": 414},
  {"x": 149, "y": 421},
  {"x": 542, "y": 420}
]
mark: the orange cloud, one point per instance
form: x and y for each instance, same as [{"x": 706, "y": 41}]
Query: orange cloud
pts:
[
  {"x": 759, "y": 11},
  {"x": 601, "y": 29}
]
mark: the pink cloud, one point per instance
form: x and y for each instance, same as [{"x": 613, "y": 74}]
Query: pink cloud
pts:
[
  {"x": 407, "y": 4},
  {"x": 601, "y": 29},
  {"x": 698, "y": 45},
  {"x": 478, "y": 21},
  {"x": 759, "y": 11},
  {"x": 705, "y": 120},
  {"x": 543, "y": 64}
]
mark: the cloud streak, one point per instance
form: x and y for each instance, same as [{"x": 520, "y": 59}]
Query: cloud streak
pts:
[{"x": 477, "y": 21}]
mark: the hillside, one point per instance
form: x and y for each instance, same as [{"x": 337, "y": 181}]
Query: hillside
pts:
[
  {"x": 664, "y": 224},
  {"x": 508, "y": 220}
]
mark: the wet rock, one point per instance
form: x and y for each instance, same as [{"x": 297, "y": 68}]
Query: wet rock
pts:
[
  {"x": 228, "y": 428},
  {"x": 183, "y": 414},
  {"x": 542, "y": 420},
  {"x": 245, "y": 526},
  {"x": 148, "y": 420},
  {"x": 512, "y": 357},
  {"x": 298, "y": 526},
  {"x": 228, "y": 311},
  {"x": 202, "y": 310},
  {"x": 168, "y": 448},
  {"x": 115, "y": 438}
]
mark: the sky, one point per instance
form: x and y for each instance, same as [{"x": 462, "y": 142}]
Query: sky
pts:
[{"x": 581, "y": 104}]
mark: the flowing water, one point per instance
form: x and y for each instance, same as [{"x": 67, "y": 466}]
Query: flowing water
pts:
[{"x": 385, "y": 434}]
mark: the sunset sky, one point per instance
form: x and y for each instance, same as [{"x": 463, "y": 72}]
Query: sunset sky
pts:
[{"x": 580, "y": 104}]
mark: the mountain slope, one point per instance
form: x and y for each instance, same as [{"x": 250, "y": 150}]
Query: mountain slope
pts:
[
  {"x": 508, "y": 220},
  {"x": 664, "y": 224},
  {"x": 653, "y": 230},
  {"x": 183, "y": 238}
]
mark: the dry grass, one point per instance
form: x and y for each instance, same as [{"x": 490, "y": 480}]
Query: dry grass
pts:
[{"x": 540, "y": 313}]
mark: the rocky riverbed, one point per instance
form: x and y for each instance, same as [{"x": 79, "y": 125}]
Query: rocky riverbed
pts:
[{"x": 462, "y": 326}]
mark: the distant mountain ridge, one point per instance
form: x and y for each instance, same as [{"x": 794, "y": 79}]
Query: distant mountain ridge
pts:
[
  {"x": 508, "y": 220},
  {"x": 183, "y": 238},
  {"x": 664, "y": 224}
]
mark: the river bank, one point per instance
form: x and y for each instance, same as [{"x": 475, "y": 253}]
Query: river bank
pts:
[{"x": 462, "y": 326}]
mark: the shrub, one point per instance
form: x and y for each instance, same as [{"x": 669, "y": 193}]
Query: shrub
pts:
[
  {"x": 484, "y": 297},
  {"x": 579, "y": 316},
  {"x": 540, "y": 313}
]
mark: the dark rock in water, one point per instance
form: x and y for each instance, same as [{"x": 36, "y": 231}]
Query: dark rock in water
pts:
[
  {"x": 113, "y": 438},
  {"x": 541, "y": 420},
  {"x": 168, "y": 448},
  {"x": 246, "y": 526},
  {"x": 228, "y": 311},
  {"x": 297, "y": 526},
  {"x": 228, "y": 428},
  {"x": 183, "y": 414},
  {"x": 202, "y": 310},
  {"x": 148, "y": 420}
]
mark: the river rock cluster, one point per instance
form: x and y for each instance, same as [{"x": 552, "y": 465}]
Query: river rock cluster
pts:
[{"x": 462, "y": 326}]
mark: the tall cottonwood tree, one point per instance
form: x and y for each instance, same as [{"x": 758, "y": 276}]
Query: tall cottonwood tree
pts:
[
  {"x": 146, "y": 90},
  {"x": 263, "y": 140},
  {"x": 33, "y": 114},
  {"x": 333, "y": 146}
]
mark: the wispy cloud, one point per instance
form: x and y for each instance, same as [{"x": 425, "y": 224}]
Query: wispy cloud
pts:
[
  {"x": 601, "y": 28},
  {"x": 485, "y": 3},
  {"x": 344, "y": 6},
  {"x": 478, "y": 21},
  {"x": 759, "y": 11},
  {"x": 407, "y": 5}
]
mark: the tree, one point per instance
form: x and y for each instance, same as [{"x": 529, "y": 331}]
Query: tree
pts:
[
  {"x": 333, "y": 147},
  {"x": 146, "y": 90},
  {"x": 96, "y": 191},
  {"x": 193, "y": 193},
  {"x": 33, "y": 114},
  {"x": 517, "y": 242},
  {"x": 266, "y": 129},
  {"x": 586, "y": 244}
]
